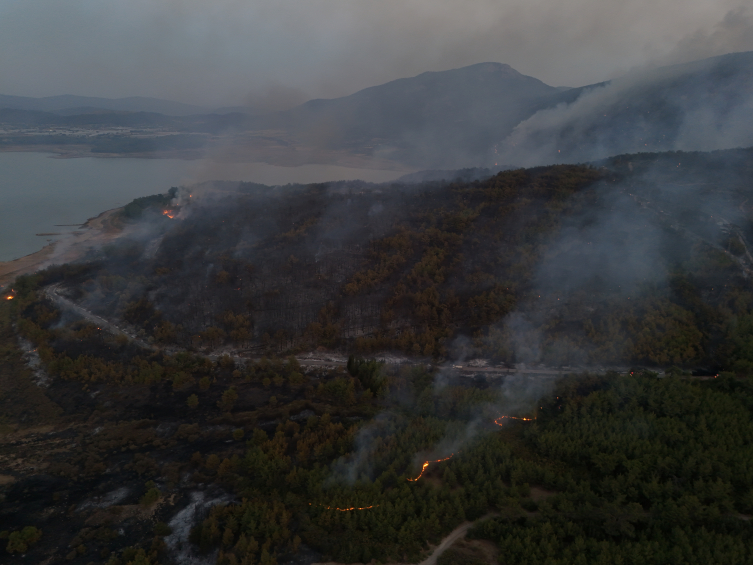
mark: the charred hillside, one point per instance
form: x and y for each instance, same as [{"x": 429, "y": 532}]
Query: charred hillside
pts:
[
  {"x": 643, "y": 259},
  {"x": 398, "y": 266}
]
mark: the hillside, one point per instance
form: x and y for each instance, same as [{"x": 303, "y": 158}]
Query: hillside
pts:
[
  {"x": 637, "y": 261},
  {"x": 208, "y": 387}
]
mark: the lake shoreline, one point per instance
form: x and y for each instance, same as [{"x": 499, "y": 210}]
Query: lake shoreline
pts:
[
  {"x": 43, "y": 188},
  {"x": 71, "y": 247}
]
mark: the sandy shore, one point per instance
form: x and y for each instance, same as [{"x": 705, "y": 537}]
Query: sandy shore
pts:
[{"x": 93, "y": 234}]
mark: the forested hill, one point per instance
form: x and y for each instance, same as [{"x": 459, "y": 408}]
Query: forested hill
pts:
[
  {"x": 148, "y": 415},
  {"x": 642, "y": 259}
]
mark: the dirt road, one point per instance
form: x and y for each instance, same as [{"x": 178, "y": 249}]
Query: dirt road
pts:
[
  {"x": 443, "y": 546},
  {"x": 52, "y": 292},
  {"x": 447, "y": 542}
]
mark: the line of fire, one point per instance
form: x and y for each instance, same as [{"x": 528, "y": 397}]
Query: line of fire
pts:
[
  {"x": 423, "y": 470},
  {"x": 345, "y": 509},
  {"x": 427, "y": 463}
]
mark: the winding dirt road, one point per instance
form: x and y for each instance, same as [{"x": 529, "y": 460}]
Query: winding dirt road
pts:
[
  {"x": 443, "y": 546},
  {"x": 447, "y": 542},
  {"x": 52, "y": 292}
]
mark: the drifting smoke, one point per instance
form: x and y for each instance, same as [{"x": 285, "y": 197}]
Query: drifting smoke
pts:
[
  {"x": 460, "y": 349},
  {"x": 734, "y": 32},
  {"x": 178, "y": 545},
  {"x": 518, "y": 397},
  {"x": 699, "y": 106},
  {"x": 357, "y": 466},
  {"x": 524, "y": 338},
  {"x": 519, "y": 394},
  {"x": 619, "y": 239},
  {"x": 624, "y": 239}
]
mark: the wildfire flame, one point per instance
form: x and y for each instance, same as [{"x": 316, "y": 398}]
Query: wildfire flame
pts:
[
  {"x": 497, "y": 421},
  {"x": 426, "y": 464},
  {"x": 345, "y": 509},
  {"x": 9, "y": 298},
  {"x": 12, "y": 295},
  {"x": 169, "y": 213}
]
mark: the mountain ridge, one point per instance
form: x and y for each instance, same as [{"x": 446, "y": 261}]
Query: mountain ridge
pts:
[{"x": 479, "y": 115}]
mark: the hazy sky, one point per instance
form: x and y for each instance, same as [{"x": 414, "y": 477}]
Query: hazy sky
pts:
[{"x": 280, "y": 52}]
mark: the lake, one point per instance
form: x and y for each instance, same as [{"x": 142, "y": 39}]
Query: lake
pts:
[{"x": 39, "y": 192}]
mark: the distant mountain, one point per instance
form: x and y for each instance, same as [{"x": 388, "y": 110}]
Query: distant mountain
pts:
[
  {"x": 489, "y": 113},
  {"x": 69, "y": 104},
  {"x": 447, "y": 118},
  {"x": 481, "y": 115}
]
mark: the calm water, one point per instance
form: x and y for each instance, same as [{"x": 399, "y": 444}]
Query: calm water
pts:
[{"x": 38, "y": 191}]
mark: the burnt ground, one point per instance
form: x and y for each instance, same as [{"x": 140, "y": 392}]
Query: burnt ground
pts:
[{"x": 75, "y": 460}]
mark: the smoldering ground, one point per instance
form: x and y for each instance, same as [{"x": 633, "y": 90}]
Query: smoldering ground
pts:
[
  {"x": 615, "y": 237},
  {"x": 220, "y": 241}
]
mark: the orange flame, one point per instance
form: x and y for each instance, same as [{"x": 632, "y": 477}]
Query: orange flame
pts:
[
  {"x": 8, "y": 298},
  {"x": 346, "y": 509},
  {"x": 497, "y": 421},
  {"x": 426, "y": 464},
  {"x": 169, "y": 213}
]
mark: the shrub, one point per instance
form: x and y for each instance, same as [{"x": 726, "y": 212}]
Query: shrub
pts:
[
  {"x": 19, "y": 542},
  {"x": 151, "y": 496}
]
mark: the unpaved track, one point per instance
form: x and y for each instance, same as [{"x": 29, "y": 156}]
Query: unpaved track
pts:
[
  {"x": 451, "y": 538},
  {"x": 443, "y": 546},
  {"x": 51, "y": 292}
]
